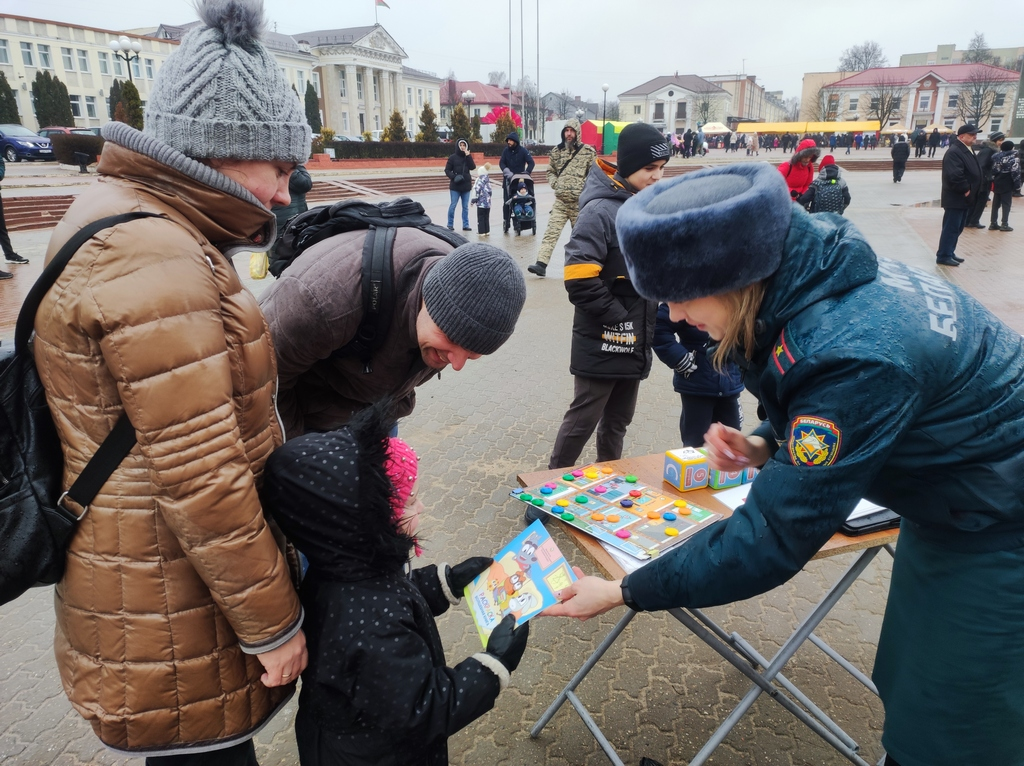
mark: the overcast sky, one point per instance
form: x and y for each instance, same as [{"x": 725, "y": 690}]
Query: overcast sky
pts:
[{"x": 620, "y": 42}]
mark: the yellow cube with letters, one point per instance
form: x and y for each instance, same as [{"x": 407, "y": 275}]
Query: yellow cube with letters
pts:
[{"x": 686, "y": 469}]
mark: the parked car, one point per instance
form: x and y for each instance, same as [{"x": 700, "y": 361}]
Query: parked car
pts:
[
  {"x": 18, "y": 143},
  {"x": 54, "y": 129}
]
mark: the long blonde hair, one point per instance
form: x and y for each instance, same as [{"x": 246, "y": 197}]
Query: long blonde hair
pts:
[{"x": 743, "y": 305}]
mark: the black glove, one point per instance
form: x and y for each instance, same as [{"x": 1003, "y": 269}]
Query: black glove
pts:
[
  {"x": 507, "y": 642},
  {"x": 687, "y": 365},
  {"x": 461, "y": 575}
]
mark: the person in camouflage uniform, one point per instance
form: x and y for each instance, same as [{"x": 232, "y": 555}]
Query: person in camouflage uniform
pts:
[{"x": 568, "y": 166}]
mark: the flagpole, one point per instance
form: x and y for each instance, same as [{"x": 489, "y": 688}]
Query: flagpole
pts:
[{"x": 375, "y": 12}]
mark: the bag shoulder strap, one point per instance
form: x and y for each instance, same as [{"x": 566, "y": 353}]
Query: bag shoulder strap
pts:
[
  {"x": 571, "y": 158},
  {"x": 121, "y": 439}
]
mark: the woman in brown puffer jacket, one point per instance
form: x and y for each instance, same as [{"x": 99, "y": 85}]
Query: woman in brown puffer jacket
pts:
[{"x": 178, "y": 626}]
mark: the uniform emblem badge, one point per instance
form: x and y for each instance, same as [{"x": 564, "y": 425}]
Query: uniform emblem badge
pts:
[{"x": 814, "y": 441}]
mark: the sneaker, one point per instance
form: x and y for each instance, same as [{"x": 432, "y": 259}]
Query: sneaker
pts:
[
  {"x": 538, "y": 268},
  {"x": 1005, "y": 228},
  {"x": 467, "y": 228},
  {"x": 993, "y": 227},
  {"x": 451, "y": 228},
  {"x": 947, "y": 262},
  {"x": 6, "y": 275},
  {"x": 15, "y": 258}
]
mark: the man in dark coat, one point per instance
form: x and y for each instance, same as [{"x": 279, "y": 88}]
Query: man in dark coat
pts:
[
  {"x": 515, "y": 160},
  {"x": 961, "y": 182},
  {"x": 934, "y": 139},
  {"x": 900, "y": 153}
]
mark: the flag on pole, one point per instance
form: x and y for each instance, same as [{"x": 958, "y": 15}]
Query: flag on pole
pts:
[{"x": 382, "y": 3}]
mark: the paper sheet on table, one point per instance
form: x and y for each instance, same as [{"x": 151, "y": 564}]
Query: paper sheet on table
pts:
[
  {"x": 624, "y": 560},
  {"x": 736, "y": 496}
]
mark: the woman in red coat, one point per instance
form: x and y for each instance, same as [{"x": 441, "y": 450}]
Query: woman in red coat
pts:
[{"x": 799, "y": 172}]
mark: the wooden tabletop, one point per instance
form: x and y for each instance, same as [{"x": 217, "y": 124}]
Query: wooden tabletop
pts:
[{"x": 649, "y": 471}]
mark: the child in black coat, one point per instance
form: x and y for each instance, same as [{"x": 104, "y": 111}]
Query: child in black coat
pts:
[{"x": 377, "y": 689}]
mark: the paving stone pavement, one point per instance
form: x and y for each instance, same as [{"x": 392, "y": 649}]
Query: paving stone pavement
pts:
[{"x": 659, "y": 692}]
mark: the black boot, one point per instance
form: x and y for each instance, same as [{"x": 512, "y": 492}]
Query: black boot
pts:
[{"x": 538, "y": 268}]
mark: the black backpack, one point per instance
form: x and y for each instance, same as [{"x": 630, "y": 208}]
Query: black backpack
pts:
[
  {"x": 35, "y": 523},
  {"x": 380, "y": 221}
]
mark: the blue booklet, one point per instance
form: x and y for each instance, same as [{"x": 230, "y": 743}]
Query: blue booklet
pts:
[{"x": 523, "y": 580}]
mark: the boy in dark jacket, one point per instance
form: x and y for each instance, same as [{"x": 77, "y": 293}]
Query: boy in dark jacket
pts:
[
  {"x": 376, "y": 690},
  {"x": 828, "y": 193},
  {"x": 613, "y": 326},
  {"x": 1005, "y": 182}
]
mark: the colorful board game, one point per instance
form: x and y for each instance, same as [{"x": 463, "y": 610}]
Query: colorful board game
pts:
[
  {"x": 523, "y": 580},
  {"x": 618, "y": 510}
]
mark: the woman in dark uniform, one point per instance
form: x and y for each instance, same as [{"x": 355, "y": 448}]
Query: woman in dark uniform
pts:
[{"x": 878, "y": 381}]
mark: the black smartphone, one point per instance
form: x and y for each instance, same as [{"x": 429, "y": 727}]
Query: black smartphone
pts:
[{"x": 873, "y": 522}]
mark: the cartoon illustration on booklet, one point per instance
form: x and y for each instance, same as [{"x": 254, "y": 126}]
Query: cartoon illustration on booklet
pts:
[{"x": 524, "y": 578}]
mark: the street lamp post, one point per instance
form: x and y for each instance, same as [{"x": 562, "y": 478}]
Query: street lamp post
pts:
[
  {"x": 468, "y": 96},
  {"x": 604, "y": 115},
  {"x": 124, "y": 49}
]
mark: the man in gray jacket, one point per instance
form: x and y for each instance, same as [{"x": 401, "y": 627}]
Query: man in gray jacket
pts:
[{"x": 451, "y": 306}]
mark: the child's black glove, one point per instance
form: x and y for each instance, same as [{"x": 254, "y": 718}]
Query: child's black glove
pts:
[
  {"x": 461, "y": 575},
  {"x": 507, "y": 642}
]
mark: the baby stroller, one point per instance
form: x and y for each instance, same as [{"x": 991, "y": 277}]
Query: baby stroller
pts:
[{"x": 522, "y": 207}]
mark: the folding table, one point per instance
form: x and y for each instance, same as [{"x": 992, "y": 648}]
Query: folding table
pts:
[{"x": 766, "y": 674}]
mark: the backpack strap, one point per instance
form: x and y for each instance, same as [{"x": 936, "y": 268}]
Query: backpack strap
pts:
[{"x": 121, "y": 439}]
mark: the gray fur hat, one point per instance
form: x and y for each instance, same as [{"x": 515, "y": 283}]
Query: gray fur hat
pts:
[
  {"x": 222, "y": 94},
  {"x": 705, "y": 233},
  {"x": 474, "y": 295}
]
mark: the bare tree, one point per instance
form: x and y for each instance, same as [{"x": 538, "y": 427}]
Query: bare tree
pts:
[
  {"x": 612, "y": 110},
  {"x": 498, "y": 79},
  {"x": 705, "y": 103},
  {"x": 978, "y": 52},
  {"x": 565, "y": 105},
  {"x": 825, "y": 106},
  {"x": 857, "y": 58},
  {"x": 792, "y": 108},
  {"x": 886, "y": 99},
  {"x": 978, "y": 94},
  {"x": 526, "y": 95}
]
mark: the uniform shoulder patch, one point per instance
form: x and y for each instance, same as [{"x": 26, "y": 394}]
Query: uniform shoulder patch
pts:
[
  {"x": 814, "y": 441},
  {"x": 784, "y": 354}
]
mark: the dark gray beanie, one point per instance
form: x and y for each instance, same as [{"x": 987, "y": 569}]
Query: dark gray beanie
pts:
[
  {"x": 222, "y": 94},
  {"x": 640, "y": 145},
  {"x": 705, "y": 233},
  {"x": 474, "y": 295}
]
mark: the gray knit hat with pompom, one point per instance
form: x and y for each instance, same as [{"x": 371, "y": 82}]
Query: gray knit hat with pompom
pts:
[{"x": 222, "y": 94}]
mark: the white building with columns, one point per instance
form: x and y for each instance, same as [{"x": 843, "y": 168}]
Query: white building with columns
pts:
[
  {"x": 671, "y": 102},
  {"x": 363, "y": 79}
]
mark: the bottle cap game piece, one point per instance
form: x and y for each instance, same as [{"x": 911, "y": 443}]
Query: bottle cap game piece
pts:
[
  {"x": 600, "y": 489},
  {"x": 653, "y": 515},
  {"x": 562, "y": 502},
  {"x": 538, "y": 501},
  {"x": 581, "y": 499},
  {"x": 623, "y": 533},
  {"x": 606, "y": 469},
  {"x": 545, "y": 490},
  {"x": 591, "y": 474},
  {"x": 626, "y": 503},
  {"x": 567, "y": 477},
  {"x": 597, "y": 517},
  {"x": 686, "y": 511},
  {"x": 671, "y": 531},
  {"x": 669, "y": 516},
  {"x": 551, "y": 485},
  {"x": 526, "y": 497},
  {"x": 613, "y": 518},
  {"x": 517, "y": 491},
  {"x": 635, "y": 493},
  {"x": 631, "y": 479},
  {"x": 577, "y": 473},
  {"x": 568, "y": 516},
  {"x": 679, "y": 503}
]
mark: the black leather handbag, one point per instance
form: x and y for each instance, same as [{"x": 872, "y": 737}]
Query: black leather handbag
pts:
[{"x": 36, "y": 523}]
